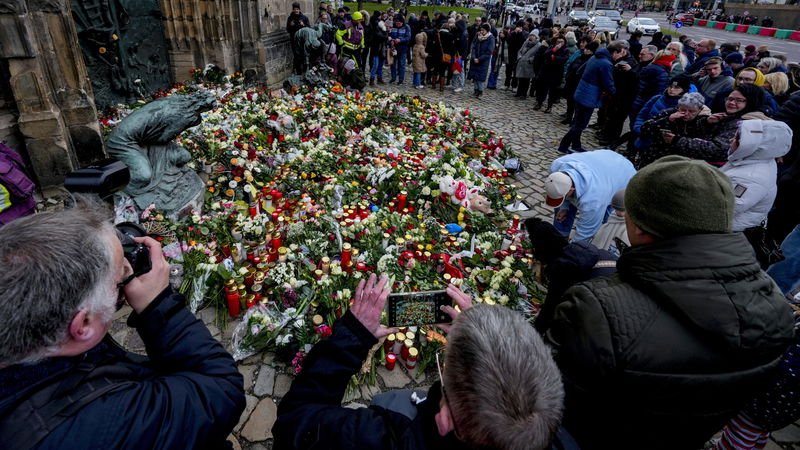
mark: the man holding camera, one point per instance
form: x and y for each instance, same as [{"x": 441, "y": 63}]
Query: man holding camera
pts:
[
  {"x": 64, "y": 383},
  {"x": 499, "y": 386}
]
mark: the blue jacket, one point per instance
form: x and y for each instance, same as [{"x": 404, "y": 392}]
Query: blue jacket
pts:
[
  {"x": 189, "y": 394},
  {"x": 650, "y": 109},
  {"x": 653, "y": 79},
  {"x": 482, "y": 50},
  {"x": 690, "y": 54},
  {"x": 700, "y": 62},
  {"x": 597, "y": 176},
  {"x": 598, "y": 78},
  {"x": 404, "y": 35}
]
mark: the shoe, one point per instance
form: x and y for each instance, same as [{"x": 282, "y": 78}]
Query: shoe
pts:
[
  {"x": 479, "y": 94},
  {"x": 399, "y": 83},
  {"x": 548, "y": 110},
  {"x": 604, "y": 143},
  {"x": 380, "y": 81},
  {"x": 372, "y": 81},
  {"x": 458, "y": 90},
  {"x": 566, "y": 122},
  {"x": 492, "y": 88},
  {"x": 596, "y": 126},
  {"x": 578, "y": 150},
  {"x": 537, "y": 107},
  {"x": 521, "y": 97},
  {"x": 564, "y": 150}
]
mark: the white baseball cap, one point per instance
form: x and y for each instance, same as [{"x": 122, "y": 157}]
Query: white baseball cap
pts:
[{"x": 557, "y": 185}]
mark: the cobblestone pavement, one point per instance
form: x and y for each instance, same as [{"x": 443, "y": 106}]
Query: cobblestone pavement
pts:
[{"x": 534, "y": 137}]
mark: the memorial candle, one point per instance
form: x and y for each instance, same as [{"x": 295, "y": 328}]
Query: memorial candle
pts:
[
  {"x": 401, "y": 200},
  {"x": 391, "y": 359},
  {"x": 233, "y": 303},
  {"x": 346, "y": 252}
]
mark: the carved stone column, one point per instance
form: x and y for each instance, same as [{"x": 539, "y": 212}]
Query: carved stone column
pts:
[
  {"x": 50, "y": 86},
  {"x": 245, "y": 36}
]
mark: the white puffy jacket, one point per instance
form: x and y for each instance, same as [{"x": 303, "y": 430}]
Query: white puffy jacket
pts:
[{"x": 753, "y": 171}]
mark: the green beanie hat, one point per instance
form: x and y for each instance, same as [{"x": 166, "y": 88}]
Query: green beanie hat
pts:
[{"x": 677, "y": 196}]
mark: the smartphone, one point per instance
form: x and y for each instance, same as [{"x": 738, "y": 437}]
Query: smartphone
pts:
[{"x": 418, "y": 308}]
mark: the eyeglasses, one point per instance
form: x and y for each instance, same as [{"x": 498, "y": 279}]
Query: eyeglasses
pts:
[
  {"x": 439, "y": 354},
  {"x": 736, "y": 100}
]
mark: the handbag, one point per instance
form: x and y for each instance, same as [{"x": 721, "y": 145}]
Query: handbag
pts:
[
  {"x": 446, "y": 58},
  {"x": 767, "y": 251}
]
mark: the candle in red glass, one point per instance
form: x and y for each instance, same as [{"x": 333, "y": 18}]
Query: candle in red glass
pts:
[
  {"x": 276, "y": 243},
  {"x": 360, "y": 266},
  {"x": 251, "y": 301},
  {"x": 275, "y": 215},
  {"x": 515, "y": 223},
  {"x": 272, "y": 256},
  {"x": 391, "y": 359},
  {"x": 233, "y": 303},
  {"x": 346, "y": 252},
  {"x": 401, "y": 200}
]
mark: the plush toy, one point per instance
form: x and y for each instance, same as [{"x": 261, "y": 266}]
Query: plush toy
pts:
[{"x": 461, "y": 194}]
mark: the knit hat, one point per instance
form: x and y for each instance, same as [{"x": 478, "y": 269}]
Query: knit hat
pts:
[
  {"x": 677, "y": 196},
  {"x": 682, "y": 81},
  {"x": 750, "y": 48},
  {"x": 734, "y": 58},
  {"x": 556, "y": 187},
  {"x": 486, "y": 26},
  {"x": 618, "y": 200},
  {"x": 592, "y": 46},
  {"x": 759, "y": 81}
]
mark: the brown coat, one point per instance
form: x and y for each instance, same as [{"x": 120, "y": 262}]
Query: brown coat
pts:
[{"x": 418, "y": 54}]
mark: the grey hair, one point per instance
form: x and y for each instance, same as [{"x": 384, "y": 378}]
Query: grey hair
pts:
[
  {"x": 616, "y": 46},
  {"x": 498, "y": 398},
  {"x": 771, "y": 63},
  {"x": 692, "y": 100},
  {"x": 651, "y": 48},
  {"x": 54, "y": 264}
]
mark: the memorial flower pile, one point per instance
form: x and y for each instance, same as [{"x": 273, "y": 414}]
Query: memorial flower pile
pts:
[{"x": 307, "y": 194}]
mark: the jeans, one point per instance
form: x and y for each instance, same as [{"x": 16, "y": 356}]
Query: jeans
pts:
[
  {"x": 458, "y": 80},
  {"x": 377, "y": 67},
  {"x": 479, "y": 85},
  {"x": 566, "y": 226},
  {"x": 786, "y": 273},
  {"x": 417, "y": 79},
  {"x": 573, "y": 137},
  {"x": 398, "y": 70}
]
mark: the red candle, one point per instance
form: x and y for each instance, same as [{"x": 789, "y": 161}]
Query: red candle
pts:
[
  {"x": 251, "y": 301},
  {"x": 272, "y": 256},
  {"x": 253, "y": 211},
  {"x": 276, "y": 243},
  {"x": 275, "y": 215},
  {"x": 391, "y": 359},
  {"x": 346, "y": 252},
  {"x": 233, "y": 303},
  {"x": 515, "y": 223},
  {"x": 360, "y": 266},
  {"x": 401, "y": 200}
]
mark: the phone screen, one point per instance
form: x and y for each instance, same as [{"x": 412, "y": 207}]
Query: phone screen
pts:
[{"x": 418, "y": 308}]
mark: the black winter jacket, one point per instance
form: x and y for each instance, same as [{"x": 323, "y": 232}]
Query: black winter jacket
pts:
[
  {"x": 310, "y": 415},
  {"x": 189, "y": 395},
  {"x": 790, "y": 114},
  {"x": 661, "y": 354},
  {"x": 575, "y": 264}
]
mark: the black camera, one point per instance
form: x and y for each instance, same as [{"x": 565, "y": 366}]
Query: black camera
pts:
[{"x": 137, "y": 254}]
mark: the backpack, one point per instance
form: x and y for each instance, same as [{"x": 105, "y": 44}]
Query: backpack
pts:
[{"x": 16, "y": 187}]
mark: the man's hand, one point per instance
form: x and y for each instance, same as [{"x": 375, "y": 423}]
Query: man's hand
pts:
[
  {"x": 462, "y": 300},
  {"x": 668, "y": 137},
  {"x": 368, "y": 305},
  {"x": 561, "y": 215},
  {"x": 142, "y": 290}
]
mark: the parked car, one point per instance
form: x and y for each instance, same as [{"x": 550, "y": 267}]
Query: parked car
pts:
[
  {"x": 614, "y": 15},
  {"x": 686, "y": 18},
  {"x": 578, "y": 17},
  {"x": 602, "y": 23},
  {"x": 643, "y": 24}
]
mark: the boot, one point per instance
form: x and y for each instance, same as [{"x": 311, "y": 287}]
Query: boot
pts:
[
  {"x": 372, "y": 81},
  {"x": 549, "y": 109},
  {"x": 441, "y": 84},
  {"x": 380, "y": 81},
  {"x": 434, "y": 80},
  {"x": 537, "y": 107}
]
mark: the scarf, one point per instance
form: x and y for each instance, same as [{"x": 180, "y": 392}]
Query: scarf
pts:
[{"x": 665, "y": 61}]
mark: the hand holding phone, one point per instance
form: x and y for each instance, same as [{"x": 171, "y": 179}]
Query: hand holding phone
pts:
[{"x": 418, "y": 308}]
